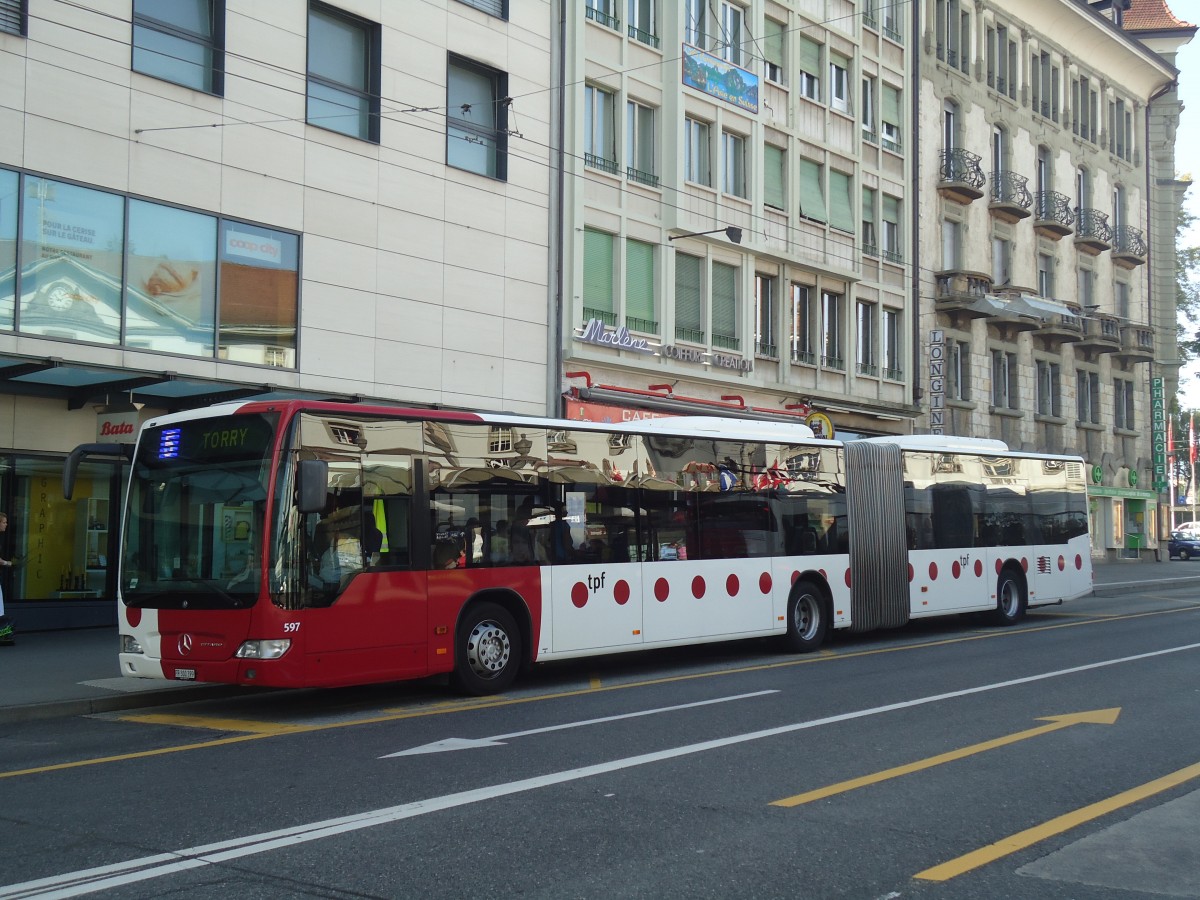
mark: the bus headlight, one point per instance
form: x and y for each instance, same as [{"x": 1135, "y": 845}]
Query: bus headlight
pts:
[
  {"x": 129, "y": 644},
  {"x": 269, "y": 649}
]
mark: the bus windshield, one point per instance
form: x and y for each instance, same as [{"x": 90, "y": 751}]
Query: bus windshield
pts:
[{"x": 194, "y": 524}]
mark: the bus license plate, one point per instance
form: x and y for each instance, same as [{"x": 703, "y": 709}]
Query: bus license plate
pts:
[{"x": 185, "y": 674}]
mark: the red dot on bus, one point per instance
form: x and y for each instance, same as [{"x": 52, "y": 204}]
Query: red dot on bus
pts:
[
  {"x": 825, "y": 575},
  {"x": 979, "y": 568},
  {"x": 698, "y": 587},
  {"x": 133, "y": 615},
  {"x": 933, "y": 571},
  {"x": 1078, "y": 562},
  {"x": 621, "y": 592},
  {"x": 999, "y": 566},
  {"x": 911, "y": 573},
  {"x": 764, "y": 582},
  {"x": 1024, "y": 564},
  {"x": 956, "y": 569},
  {"x": 1062, "y": 564},
  {"x": 732, "y": 585},
  {"x": 662, "y": 590},
  {"x": 847, "y": 576},
  {"x": 579, "y": 594},
  {"x": 795, "y": 575}
]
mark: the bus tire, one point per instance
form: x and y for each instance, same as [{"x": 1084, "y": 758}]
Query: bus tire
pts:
[
  {"x": 488, "y": 650},
  {"x": 1011, "y": 600},
  {"x": 807, "y": 622}
]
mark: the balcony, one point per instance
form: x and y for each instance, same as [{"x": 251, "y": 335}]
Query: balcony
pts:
[
  {"x": 1012, "y": 313},
  {"x": 1137, "y": 344},
  {"x": 1129, "y": 247},
  {"x": 961, "y": 179},
  {"x": 1010, "y": 198},
  {"x": 963, "y": 293},
  {"x": 1052, "y": 214},
  {"x": 1061, "y": 327},
  {"x": 1101, "y": 334},
  {"x": 1093, "y": 234}
]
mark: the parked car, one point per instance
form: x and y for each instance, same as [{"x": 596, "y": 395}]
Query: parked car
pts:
[{"x": 1183, "y": 545}]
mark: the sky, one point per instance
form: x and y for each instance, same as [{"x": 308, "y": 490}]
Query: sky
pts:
[{"x": 1187, "y": 161}]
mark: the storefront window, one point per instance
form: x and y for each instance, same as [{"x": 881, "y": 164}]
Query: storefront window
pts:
[
  {"x": 172, "y": 280},
  {"x": 259, "y": 282},
  {"x": 8, "y": 245},
  {"x": 71, "y": 251}
]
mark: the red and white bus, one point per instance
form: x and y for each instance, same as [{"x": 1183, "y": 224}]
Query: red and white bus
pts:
[{"x": 318, "y": 544}]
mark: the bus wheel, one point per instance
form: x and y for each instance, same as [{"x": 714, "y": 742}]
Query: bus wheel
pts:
[
  {"x": 1010, "y": 599},
  {"x": 488, "y": 651},
  {"x": 807, "y": 622}
]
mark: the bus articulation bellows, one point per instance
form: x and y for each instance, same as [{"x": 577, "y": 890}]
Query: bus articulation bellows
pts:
[{"x": 319, "y": 544}]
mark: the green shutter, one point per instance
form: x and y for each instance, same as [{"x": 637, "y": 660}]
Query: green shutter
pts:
[
  {"x": 891, "y": 209},
  {"x": 868, "y": 200},
  {"x": 841, "y": 206},
  {"x": 689, "y": 302},
  {"x": 724, "y": 300},
  {"x": 891, "y": 105},
  {"x": 639, "y": 285},
  {"x": 810, "y": 56},
  {"x": 773, "y": 42},
  {"x": 774, "y": 160},
  {"x": 812, "y": 192},
  {"x": 598, "y": 270}
]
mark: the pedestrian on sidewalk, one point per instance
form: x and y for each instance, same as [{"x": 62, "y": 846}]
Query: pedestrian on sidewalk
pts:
[{"x": 6, "y": 629}]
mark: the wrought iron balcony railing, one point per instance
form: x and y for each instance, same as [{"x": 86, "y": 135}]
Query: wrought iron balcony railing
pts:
[
  {"x": 1130, "y": 241},
  {"x": 1092, "y": 225},
  {"x": 961, "y": 166},
  {"x": 1009, "y": 187},
  {"x": 1051, "y": 206}
]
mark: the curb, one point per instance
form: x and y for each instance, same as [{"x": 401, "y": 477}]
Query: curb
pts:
[
  {"x": 29, "y": 712},
  {"x": 1114, "y": 588}
]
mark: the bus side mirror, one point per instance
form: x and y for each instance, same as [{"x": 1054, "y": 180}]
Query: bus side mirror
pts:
[{"x": 312, "y": 478}]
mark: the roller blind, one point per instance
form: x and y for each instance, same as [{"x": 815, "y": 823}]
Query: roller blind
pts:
[
  {"x": 773, "y": 176},
  {"x": 810, "y": 55},
  {"x": 773, "y": 42},
  {"x": 597, "y": 270},
  {"x": 841, "y": 206},
  {"x": 724, "y": 300},
  {"x": 639, "y": 280},
  {"x": 812, "y": 192},
  {"x": 891, "y": 105},
  {"x": 689, "y": 302}
]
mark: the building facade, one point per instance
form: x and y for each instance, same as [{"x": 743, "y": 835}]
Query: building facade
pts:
[
  {"x": 737, "y": 233},
  {"x": 227, "y": 199},
  {"x": 1043, "y": 295}
]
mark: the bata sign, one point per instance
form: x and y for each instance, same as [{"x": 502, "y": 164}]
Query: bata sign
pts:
[{"x": 117, "y": 427}]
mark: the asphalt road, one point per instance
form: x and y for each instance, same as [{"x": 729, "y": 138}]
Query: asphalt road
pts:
[{"x": 948, "y": 759}]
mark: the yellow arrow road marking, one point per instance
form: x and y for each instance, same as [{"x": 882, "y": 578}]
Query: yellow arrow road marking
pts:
[
  {"x": 1094, "y": 717},
  {"x": 1031, "y": 836}
]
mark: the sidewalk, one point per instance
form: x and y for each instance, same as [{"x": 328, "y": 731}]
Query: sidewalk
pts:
[{"x": 69, "y": 673}]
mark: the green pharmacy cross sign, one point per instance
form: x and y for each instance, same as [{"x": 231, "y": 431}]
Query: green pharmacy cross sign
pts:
[{"x": 1158, "y": 433}]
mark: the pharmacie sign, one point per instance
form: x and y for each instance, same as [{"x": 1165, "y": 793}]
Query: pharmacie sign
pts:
[{"x": 1158, "y": 433}]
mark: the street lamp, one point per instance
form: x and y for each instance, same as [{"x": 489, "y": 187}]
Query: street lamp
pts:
[{"x": 732, "y": 232}]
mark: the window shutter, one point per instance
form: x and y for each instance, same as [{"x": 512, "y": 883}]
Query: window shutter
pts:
[
  {"x": 810, "y": 56},
  {"x": 12, "y": 17},
  {"x": 689, "y": 303},
  {"x": 868, "y": 205},
  {"x": 812, "y": 193},
  {"x": 891, "y": 105},
  {"x": 724, "y": 300},
  {"x": 639, "y": 280},
  {"x": 773, "y": 176},
  {"x": 891, "y": 210},
  {"x": 597, "y": 270},
  {"x": 841, "y": 207},
  {"x": 773, "y": 42}
]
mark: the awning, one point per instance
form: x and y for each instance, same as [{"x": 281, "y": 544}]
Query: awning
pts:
[{"x": 1042, "y": 308}]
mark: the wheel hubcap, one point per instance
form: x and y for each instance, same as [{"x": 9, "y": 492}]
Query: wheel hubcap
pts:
[
  {"x": 1008, "y": 598},
  {"x": 806, "y": 616},
  {"x": 488, "y": 649}
]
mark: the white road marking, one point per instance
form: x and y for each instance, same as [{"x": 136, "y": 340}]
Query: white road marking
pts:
[
  {"x": 498, "y": 740},
  {"x": 86, "y": 881}
]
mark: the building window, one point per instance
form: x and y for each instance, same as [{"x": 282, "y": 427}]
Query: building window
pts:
[
  {"x": 1001, "y": 261},
  {"x": 1123, "y": 404},
  {"x": 867, "y": 110},
  {"x": 695, "y": 26},
  {"x": 891, "y": 230},
  {"x": 765, "y": 317},
  {"x": 1045, "y": 275},
  {"x": 893, "y": 344},
  {"x": 640, "y": 150},
  {"x": 831, "y": 331},
  {"x": 695, "y": 152},
  {"x": 812, "y": 190},
  {"x": 729, "y": 48},
  {"x": 599, "y": 129},
  {"x": 891, "y": 19},
  {"x": 477, "y": 120},
  {"x": 1004, "y": 380},
  {"x": 958, "y": 372},
  {"x": 1087, "y": 397},
  {"x": 1049, "y": 392},
  {"x": 810, "y": 68},
  {"x": 951, "y": 245},
  {"x": 604, "y": 12},
  {"x": 598, "y": 276},
  {"x": 497, "y": 8},
  {"x": 801, "y": 337},
  {"x": 639, "y": 287},
  {"x": 343, "y": 73},
  {"x": 642, "y": 26},
  {"x": 891, "y": 119},
  {"x": 870, "y": 245},
  {"x": 181, "y": 42},
  {"x": 1087, "y": 292},
  {"x": 733, "y": 158},
  {"x": 839, "y": 83},
  {"x": 841, "y": 202},
  {"x": 1121, "y": 295},
  {"x": 774, "y": 50},
  {"x": 867, "y": 364},
  {"x": 724, "y": 307},
  {"x": 500, "y": 439},
  {"x": 774, "y": 177},
  {"x": 689, "y": 298}
]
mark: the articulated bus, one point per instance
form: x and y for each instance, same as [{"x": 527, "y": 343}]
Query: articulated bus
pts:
[{"x": 321, "y": 544}]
